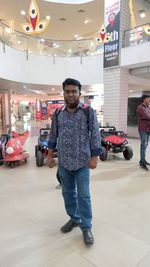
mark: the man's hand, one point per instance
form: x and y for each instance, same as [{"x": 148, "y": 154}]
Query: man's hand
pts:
[
  {"x": 51, "y": 162},
  {"x": 93, "y": 162}
]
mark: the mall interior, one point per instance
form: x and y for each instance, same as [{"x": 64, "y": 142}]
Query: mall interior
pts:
[{"x": 105, "y": 44}]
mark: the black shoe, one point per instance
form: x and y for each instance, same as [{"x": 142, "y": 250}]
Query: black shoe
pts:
[
  {"x": 143, "y": 166},
  {"x": 69, "y": 226},
  {"x": 88, "y": 237},
  {"x": 147, "y": 163}
]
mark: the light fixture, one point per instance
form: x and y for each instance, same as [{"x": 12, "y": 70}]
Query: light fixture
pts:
[
  {"x": 22, "y": 12},
  {"x": 69, "y": 50},
  {"x": 76, "y": 36},
  {"x": 53, "y": 89},
  {"x": 91, "y": 43},
  {"x": 18, "y": 42},
  {"x": 8, "y": 30},
  {"x": 142, "y": 13},
  {"x": 42, "y": 40},
  {"x": 48, "y": 17},
  {"x": 86, "y": 21},
  {"x": 131, "y": 91},
  {"x": 79, "y": 38}
]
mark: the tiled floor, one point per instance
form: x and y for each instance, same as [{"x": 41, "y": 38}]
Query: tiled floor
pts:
[{"x": 32, "y": 212}]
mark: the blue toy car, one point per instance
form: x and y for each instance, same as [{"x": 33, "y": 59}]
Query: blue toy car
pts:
[{"x": 41, "y": 149}]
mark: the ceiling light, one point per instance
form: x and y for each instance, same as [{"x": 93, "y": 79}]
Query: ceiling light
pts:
[
  {"x": 48, "y": 17},
  {"x": 18, "y": 42},
  {"x": 76, "y": 36},
  {"x": 142, "y": 13},
  {"x": 91, "y": 43},
  {"x": 81, "y": 10},
  {"x": 79, "y": 38},
  {"x": 53, "y": 89},
  {"x": 8, "y": 30},
  {"x": 22, "y": 12},
  {"x": 69, "y": 50},
  {"x": 42, "y": 40},
  {"x": 131, "y": 91},
  {"x": 86, "y": 21}
]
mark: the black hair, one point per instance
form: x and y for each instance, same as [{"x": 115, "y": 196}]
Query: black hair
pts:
[
  {"x": 144, "y": 97},
  {"x": 70, "y": 81}
]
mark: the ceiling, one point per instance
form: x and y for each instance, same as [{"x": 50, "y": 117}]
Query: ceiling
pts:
[{"x": 67, "y": 20}]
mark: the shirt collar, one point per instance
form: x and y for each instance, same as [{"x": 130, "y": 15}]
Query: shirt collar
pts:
[{"x": 80, "y": 105}]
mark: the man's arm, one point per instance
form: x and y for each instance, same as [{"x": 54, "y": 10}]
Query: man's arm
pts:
[
  {"x": 95, "y": 140},
  {"x": 143, "y": 113},
  {"x": 52, "y": 140}
]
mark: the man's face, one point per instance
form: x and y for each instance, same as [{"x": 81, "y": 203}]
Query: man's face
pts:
[
  {"x": 147, "y": 101},
  {"x": 71, "y": 95}
]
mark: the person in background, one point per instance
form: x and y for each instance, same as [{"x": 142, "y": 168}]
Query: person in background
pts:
[
  {"x": 78, "y": 146},
  {"x": 143, "y": 119}
]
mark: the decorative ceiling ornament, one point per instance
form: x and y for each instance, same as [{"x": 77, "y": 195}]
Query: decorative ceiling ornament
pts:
[
  {"x": 105, "y": 37},
  {"x": 146, "y": 29},
  {"x": 34, "y": 25},
  {"x": 133, "y": 23}
]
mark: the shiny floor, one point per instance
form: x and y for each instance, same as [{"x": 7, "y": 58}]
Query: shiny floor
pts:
[{"x": 32, "y": 212}]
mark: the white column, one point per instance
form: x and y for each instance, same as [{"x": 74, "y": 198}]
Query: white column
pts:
[{"x": 116, "y": 82}]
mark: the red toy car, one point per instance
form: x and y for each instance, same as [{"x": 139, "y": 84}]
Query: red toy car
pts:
[
  {"x": 14, "y": 152},
  {"x": 114, "y": 141}
]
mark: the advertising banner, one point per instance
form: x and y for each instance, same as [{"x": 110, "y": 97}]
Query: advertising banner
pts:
[{"x": 112, "y": 24}]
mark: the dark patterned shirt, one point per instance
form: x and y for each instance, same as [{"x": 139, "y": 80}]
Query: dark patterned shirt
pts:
[{"x": 76, "y": 143}]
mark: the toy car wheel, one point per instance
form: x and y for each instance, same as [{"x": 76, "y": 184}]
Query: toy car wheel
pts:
[
  {"x": 103, "y": 155},
  {"x": 36, "y": 150},
  {"x": 128, "y": 153},
  {"x": 39, "y": 159}
]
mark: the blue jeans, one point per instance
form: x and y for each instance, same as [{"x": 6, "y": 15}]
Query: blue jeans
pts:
[
  {"x": 76, "y": 194},
  {"x": 144, "y": 143}
]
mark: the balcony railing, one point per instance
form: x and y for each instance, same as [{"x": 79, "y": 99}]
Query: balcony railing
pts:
[
  {"x": 136, "y": 36},
  {"x": 47, "y": 47}
]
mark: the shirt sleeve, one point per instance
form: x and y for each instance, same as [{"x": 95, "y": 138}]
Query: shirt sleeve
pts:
[
  {"x": 95, "y": 137},
  {"x": 143, "y": 113},
  {"x": 53, "y": 133}
]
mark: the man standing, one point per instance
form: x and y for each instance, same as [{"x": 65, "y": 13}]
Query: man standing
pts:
[
  {"x": 143, "y": 118},
  {"x": 75, "y": 130}
]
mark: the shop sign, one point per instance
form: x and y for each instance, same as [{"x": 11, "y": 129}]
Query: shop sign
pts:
[{"x": 112, "y": 24}]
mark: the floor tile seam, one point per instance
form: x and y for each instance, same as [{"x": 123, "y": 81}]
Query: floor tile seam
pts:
[
  {"x": 129, "y": 235},
  {"x": 142, "y": 259},
  {"x": 121, "y": 202}
]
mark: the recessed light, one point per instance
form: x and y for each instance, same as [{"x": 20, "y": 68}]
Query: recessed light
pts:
[
  {"x": 142, "y": 13},
  {"x": 62, "y": 19},
  {"x": 81, "y": 10},
  {"x": 69, "y": 50},
  {"x": 42, "y": 40},
  {"x": 18, "y": 42},
  {"x": 91, "y": 43},
  {"x": 8, "y": 30},
  {"x": 22, "y": 12},
  {"x": 86, "y": 21},
  {"x": 48, "y": 17},
  {"x": 53, "y": 89},
  {"x": 76, "y": 36}
]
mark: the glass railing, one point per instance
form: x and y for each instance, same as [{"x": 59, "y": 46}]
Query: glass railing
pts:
[
  {"x": 137, "y": 35},
  {"x": 47, "y": 47}
]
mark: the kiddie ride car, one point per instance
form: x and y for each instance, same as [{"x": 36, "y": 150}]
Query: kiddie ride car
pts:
[
  {"x": 13, "y": 152},
  {"x": 114, "y": 141},
  {"x": 41, "y": 149}
]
